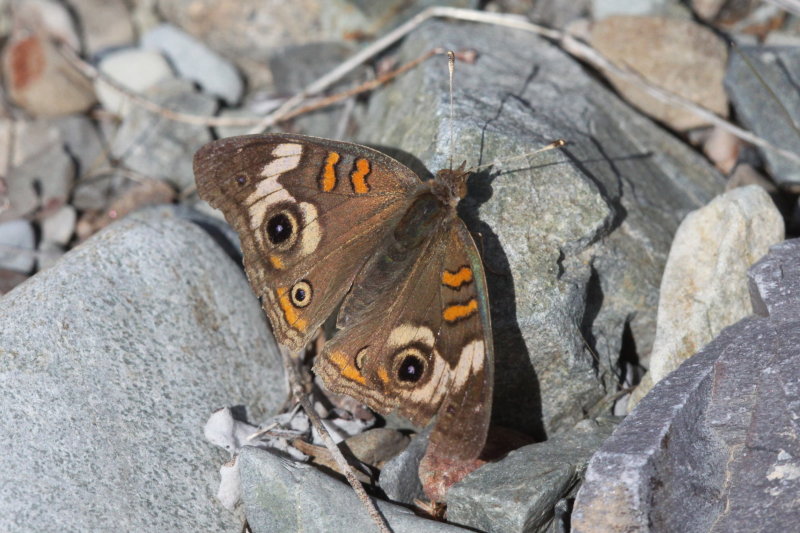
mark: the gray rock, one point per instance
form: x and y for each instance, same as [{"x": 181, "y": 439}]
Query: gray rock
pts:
[
  {"x": 194, "y": 61},
  {"x": 714, "y": 446},
  {"x": 133, "y": 69},
  {"x": 519, "y": 493},
  {"x": 17, "y": 245},
  {"x": 59, "y": 227},
  {"x": 399, "y": 477},
  {"x": 757, "y": 107},
  {"x": 670, "y": 8},
  {"x": 574, "y": 241},
  {"x": 703, "y": 289},
  {"x": 83, "y": 143},
  {"x": 104, "y": 24},
  {"x": 283, "y": 495},
  {"x": 158, "y": 147},
  {"x": 110, "y": 363}
]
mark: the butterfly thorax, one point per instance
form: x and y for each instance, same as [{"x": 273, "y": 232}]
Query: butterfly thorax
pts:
[{"x": 450, "y": 185}]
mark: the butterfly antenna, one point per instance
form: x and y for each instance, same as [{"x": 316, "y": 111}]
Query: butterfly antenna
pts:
[
  {"x": 451, "y": 67},
  {"x": 555, "y": 144}
]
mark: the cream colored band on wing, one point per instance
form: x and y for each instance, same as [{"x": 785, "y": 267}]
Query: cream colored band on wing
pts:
[
  {"x": 469, "y": 362},
  {"x": 408, "y": 334}
]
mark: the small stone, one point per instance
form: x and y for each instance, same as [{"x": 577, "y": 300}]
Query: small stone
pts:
[
  {"x": 519, "y": 493},
  {"x": 84, "y": 144},
  {"x": 399, "y": 477},
  {"x": 670, "y": 8},
  {"x": 42, "y": 183},
  {"x": 47, "y": 16},
  {"x": 59, "y": 227},
  {"x": 722, "y": 148},
  {"x": 157, "y": 147},
  {"x": 707, "y": 9},
  {"x": 744, "y": 175},
  {"x": 134, "y": 69},
  {"x": 47, "y": 255},
  {"x": 677, "y": 55},
  {"x": 194, "y": 61},
  {"x": 40, "y": 80},
  {"x": 104, "y": 23},
  {"x": 376, "y": 446},
  {"x": 17, "y": 246},
  {"x": 284, "y": 495},
  {"x": 763, "y": 110},
  {"x": 704, "y": 289}
]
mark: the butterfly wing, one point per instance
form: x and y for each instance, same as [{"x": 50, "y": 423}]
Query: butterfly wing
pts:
[
  {"x": 309, "y": 213},
  {"x": 425, "y": 348}
]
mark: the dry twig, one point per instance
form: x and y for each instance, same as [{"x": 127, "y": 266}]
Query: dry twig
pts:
[{"x": 344, "y": 466}]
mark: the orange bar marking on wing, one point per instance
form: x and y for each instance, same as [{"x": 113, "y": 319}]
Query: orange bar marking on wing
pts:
[
  {"x": 456, "y": 279},
  {"x": 383, "y": 375},
  {"x": 459, "y": 311},
  {"x": 328, "y": 181},
  {"x": 289, "y": 312},
  {"x": 348, "y": 371},
  {"x": 276, "y": 261},
  {"x": 359, "y": 176}
]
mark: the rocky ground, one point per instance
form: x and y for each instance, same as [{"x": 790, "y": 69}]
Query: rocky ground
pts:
[{"x": 644, "y": 279}]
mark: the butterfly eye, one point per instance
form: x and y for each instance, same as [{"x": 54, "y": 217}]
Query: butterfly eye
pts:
[
  {"x": 241, "y": 179},
  {"x": 280, "y": 228},
  {"x": 301, "y": 293}
]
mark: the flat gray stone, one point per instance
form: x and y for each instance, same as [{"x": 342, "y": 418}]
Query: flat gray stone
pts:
[
  {"x": 161, "y": 148},
  {"x": 574, "y": 240},
  {"x": 399, "y": 477},
  {"x": 110, "y": 364},
  {"x": 764, "y": 110},
  {"x": 519, "y": 493},
  {"x": 283, "y": 495},
  {"x": 195, "y": 61},
  {"x": 715, "y": 446}
]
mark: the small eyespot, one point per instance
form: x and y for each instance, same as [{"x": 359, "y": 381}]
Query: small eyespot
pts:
[
  {"x": 279, "y": 228},
  {"x": 301, "y": 293},
  {"x": 362, "y": 353},
  {"x": 411, "y": 369},
  {"x": 241, "y": 179}
]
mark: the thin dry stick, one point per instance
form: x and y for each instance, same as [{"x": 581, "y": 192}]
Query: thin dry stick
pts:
[{"x": 344, "y": 466}]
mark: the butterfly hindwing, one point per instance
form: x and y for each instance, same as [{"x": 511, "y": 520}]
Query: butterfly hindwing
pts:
[
  {"x": 309, "y": 213},
  {"x": 423, "y": 349}
]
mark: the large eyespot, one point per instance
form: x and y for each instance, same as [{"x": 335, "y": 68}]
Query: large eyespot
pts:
[
  {"x": 301, "y": 293},
  {"x": 410, "y": 364},
  {"x": 282, "y": 229}
]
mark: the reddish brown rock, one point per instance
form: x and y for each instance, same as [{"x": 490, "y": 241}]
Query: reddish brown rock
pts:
[{"x": 674, "y": 54}]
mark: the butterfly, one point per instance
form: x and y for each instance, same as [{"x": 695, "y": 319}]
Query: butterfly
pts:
[{"x": 327, "y": 224}]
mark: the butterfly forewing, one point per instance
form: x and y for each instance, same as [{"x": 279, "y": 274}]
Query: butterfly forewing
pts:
[{"x": 309, "y": 213}]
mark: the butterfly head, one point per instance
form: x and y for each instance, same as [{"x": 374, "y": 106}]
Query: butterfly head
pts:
[{"x": 450, "y": 185}]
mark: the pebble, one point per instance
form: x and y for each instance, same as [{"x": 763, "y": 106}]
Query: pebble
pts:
[
  {"x": 704, "y": 286},
  {"x": 157, "y": 147},
  {"x": 134, "y": 69},
  {"x": 40, "y": 80},
  {"x": 770, "y": 111},
  {"x": 672, "y": 8},
  {"x": 59, "y": 227},
  {"x": 674, "y": 54},
  {"x": 194, "y": 61},
  {"x": 17, "y": 246},
  {"x": 104, "y": 24}
]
